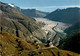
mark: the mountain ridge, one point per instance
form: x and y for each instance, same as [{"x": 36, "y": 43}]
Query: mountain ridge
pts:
[
  {"x": 68, "y": 15},
  {"x": 30, "y": 12}
]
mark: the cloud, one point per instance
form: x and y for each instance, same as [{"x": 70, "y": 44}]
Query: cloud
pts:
[
  {"x": 50, "y": 8},
  {"x": 54, "y": 6}
]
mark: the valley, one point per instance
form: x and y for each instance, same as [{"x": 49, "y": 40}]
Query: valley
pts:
[{"x": 32, "y": 32}]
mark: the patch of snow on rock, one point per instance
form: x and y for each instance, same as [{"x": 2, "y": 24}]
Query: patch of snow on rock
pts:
[{"x": 11, "y": 5}]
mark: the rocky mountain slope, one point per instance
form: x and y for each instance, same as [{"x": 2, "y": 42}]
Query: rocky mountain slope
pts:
[
  {"x": 14, "y": 22},
  {"x": 11, "y": 45},
  {"x": 69, "y": 15}
]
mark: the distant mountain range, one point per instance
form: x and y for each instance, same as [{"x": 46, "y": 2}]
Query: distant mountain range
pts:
[
  {"x": 69, "y": 15},
  {"x": 30, "y": 12},
  {"x": 34, "y": 13}
]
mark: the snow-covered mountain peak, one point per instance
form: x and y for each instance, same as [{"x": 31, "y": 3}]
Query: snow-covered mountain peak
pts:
[{"x": 11, "y": 5}]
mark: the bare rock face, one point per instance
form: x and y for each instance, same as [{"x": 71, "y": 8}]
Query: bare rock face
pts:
[{"x": 18, "y": 24}]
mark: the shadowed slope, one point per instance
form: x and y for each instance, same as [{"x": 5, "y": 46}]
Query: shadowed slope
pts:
[{"x": 69, "y": 15}]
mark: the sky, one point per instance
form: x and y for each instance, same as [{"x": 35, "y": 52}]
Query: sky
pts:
[{"x": 44, "y": 5}]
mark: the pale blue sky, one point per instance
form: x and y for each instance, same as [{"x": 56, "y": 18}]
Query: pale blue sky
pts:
[{"x": 44, "y": 5}]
